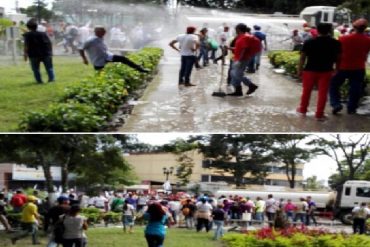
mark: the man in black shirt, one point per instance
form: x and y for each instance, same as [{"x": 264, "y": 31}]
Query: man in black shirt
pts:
[
  {"x": 38, "y": 48},
  {"x": 219, "y": 216},
  {"x": 318, "y": 57}
]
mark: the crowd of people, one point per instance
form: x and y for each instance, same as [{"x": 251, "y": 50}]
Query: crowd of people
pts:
[
  {"x": 160, "y": 211},
  {"x": 329, "y": 57}
]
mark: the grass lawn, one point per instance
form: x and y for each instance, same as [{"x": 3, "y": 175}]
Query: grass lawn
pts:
[
  {"x": 114, "y": 237},
  {"x": 19, "y": 92}
]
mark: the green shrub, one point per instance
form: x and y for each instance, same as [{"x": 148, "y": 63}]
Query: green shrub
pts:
[
  {"x": 87, "y": 106},
  {"x": 64, "y": 117}
]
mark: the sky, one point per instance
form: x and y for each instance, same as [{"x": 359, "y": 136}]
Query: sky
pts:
[
  {"x": 9, "y": 5},
  {"x": 321, "y": 166}
]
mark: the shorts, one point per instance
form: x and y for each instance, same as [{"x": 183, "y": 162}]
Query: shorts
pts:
[{"x": 127, "y": 220}]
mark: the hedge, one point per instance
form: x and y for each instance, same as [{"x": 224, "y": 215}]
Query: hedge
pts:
[
  {"x": 295, "y": 238},
  {"x": 288, "y": 60},
  {"x": 90, "y": 104}
]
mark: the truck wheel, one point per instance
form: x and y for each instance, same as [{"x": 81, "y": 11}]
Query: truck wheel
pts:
[{"x": 346, "y": 218}]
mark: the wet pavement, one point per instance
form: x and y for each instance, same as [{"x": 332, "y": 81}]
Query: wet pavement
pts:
[{"x": 166, "y": 107}]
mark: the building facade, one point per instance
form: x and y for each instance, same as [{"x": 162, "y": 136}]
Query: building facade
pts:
[{"x": 149, "y": 169}]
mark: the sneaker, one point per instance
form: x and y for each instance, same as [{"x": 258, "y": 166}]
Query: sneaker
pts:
[
  {"x": 337, "y": 109},
  {"x": 251, "y": 89},
  {"x": 300, "y": 112},
  {"x": 351, "y": 112}
]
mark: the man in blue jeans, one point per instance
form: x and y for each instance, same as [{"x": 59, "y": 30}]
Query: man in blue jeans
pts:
[
  {"x": 38, "y": 48},
  {"x": 189, "y": 43},
  {"x": 243, "y": 52},
  {"x": 355, "y": 49}
]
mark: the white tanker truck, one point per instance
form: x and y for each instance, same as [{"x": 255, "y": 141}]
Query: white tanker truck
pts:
[{"x": 340, "y": 206}]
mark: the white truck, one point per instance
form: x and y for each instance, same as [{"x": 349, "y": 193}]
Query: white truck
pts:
[
  {"x": 353, "y": 193},
  {"x": 315, "y": 15}
]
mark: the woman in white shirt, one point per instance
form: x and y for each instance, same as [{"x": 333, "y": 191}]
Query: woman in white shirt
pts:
[{"x": 74, "y": 226}]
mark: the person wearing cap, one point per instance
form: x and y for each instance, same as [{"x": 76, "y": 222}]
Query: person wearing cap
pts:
[
  {"x": 223, "y": 38},
  {"x": 29, "y": 219},
  {"x": 243, "y": 53},
  {"x": 38, "y": 48},
  {"x": 352, "y": 66},
  {"x": 53, "y": 215},
  {"x": 99, "y": 55},
  {"x": 188, "y": 45},
  {"x": 256, "y": 61},
  {"x": 317, "y": 59}
]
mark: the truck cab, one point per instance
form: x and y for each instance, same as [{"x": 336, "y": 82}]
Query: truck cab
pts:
[
  {"x": 315, "y": 15},
  {"x": 353, "y": 194}
]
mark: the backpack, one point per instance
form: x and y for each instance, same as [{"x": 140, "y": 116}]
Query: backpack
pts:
[{"x": 58, "y": 231}]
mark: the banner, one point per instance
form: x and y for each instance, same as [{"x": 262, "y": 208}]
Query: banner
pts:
[{"x": 22, "y": 172}]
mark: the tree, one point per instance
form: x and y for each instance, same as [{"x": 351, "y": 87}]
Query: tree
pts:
[
  {"x": 312, "y": 183},
  {"x": 358, "y": 7},
  {"x": 38, "y": 10},
  {"x": 95, "y": 158},
  {"x": 288, "y": 149},
  {"x": 348, "y": 151},
  {"x": 181, "y": 149},
  {"x": 237, "y": 154}
]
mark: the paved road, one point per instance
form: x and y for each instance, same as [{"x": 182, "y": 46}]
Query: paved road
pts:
[{"x": 165, "y": 107}]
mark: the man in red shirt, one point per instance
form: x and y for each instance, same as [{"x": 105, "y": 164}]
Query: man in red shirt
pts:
[
  {"x": 17, "y": 201},
  {"x": 355, "y": 49},
  {"x": 243, "y": 52}
]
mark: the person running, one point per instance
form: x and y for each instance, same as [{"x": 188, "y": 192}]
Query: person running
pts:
[
  {"x": 316, "y": 67},
  {"x": 29, "y": 221},
  {"x": 3, "y": 219},
  {"x": 128, "y": 216},
  {"x": 360, "y": 214},
  {"x": 352, "y": 65},
  {"x": 99, "y": 54},
  {"x": 189, "y": 44},
  {"x": 52, "y": 217},
  {"x": 74, "y": 227},
  {"x": 38, "y": 48},
  {"x": 219, "y": 216},
  {"x": 18, "y": 201},
  {"x": 155, "y": 231},
  {"x": 243, "y": 52}
]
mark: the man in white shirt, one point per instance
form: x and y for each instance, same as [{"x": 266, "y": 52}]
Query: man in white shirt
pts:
[
  {"x": 271, "y": 208},
  {"x": 189, "y": 43},
  {"x": 360, "y": 215}
]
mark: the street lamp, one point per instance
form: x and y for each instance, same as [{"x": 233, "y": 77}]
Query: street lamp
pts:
[{"x": 167, "y": 172}]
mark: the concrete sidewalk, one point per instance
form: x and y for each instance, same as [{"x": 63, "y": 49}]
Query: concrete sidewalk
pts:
[{"x": 166, "y": 107}]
